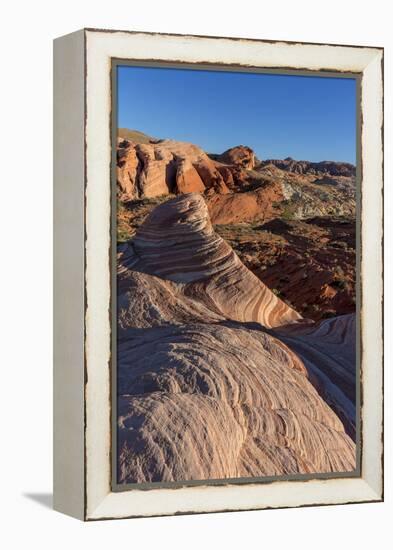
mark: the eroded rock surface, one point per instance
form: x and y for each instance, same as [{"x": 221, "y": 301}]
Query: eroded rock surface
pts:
[
  {"x": 240, "y": 155},
  {"x": 309, "y": 264},
  {"x": 328, "y": 350},
  {"x": 218, "y": 377},
  {"x": 177, "y": 243},
  {"x": 162, "y": 167},
  {"x": 236, "y": 185}
]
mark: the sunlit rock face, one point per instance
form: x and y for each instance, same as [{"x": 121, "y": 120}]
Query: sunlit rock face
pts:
[
  {"x": 240, "y": 155},
  {"x": 177, "y": 243},
  {"x": 217, "y": 377},
  {"x": 236, "y": 185},
  {"x": 146, "y": 170}
]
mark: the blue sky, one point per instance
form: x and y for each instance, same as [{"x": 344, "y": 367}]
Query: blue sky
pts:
[{"x": 304, "y": 117}]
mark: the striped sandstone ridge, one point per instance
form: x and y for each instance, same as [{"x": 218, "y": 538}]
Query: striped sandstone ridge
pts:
[
  {"x": 177, "y": 242},
  {"x": 206, "y": 389}
]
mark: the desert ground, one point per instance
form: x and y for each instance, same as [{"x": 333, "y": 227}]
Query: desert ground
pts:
[{"x": 236, "y": 313}]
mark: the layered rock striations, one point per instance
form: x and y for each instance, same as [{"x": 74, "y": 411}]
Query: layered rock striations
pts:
[
  {"x": 218, "y": 377},
  {"x": 328, "y": 351},
  {"x": 291, "y": 222},
  {"x": 177, "y": 243}
]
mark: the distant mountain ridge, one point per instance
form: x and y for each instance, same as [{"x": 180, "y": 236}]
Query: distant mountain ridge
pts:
[{"x": 307, "y": 167}]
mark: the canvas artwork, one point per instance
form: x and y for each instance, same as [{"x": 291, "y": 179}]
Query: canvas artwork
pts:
[
  {"x": 218, "y": 274},
  {"x": 236, "y": 275}
]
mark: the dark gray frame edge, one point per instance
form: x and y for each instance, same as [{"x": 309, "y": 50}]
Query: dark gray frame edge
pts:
[{"x": 116, "y": 487}]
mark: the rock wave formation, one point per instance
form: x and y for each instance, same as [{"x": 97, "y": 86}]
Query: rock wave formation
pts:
[
  {"x": 177, "y": 243},
  {"x": 217, "y": 377}
]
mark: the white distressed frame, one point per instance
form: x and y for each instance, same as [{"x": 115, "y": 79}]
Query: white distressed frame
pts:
[{"x": 99, "y": 501}]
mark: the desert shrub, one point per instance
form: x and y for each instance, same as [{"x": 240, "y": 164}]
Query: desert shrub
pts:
[
  {"x": 123, "y": 234},
  {"x": 340, "y": 280},
  {"x": 288, "y": 213}
]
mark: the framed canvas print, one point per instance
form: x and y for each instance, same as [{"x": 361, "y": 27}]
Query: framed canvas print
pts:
[{"x": 218, "y": 274}]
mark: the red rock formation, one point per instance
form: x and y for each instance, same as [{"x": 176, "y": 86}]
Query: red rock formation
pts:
[
  {"x": 162, "y": 167},
  {"x": 237, "y": 187},
  {"x": 246, "y": 206},
  {"x": 127, "y": 171},
  {"x": 239, "y": 156},
  {"x": 227, "y": 175},
  {"x": 211, "y": 176},
  {"x": 311, "y": 264},
  {"x": 187, "y": 178}
]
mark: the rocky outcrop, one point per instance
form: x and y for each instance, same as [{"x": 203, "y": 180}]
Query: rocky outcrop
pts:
[
  {"x": 237, "y": 186},
  {"x": 177, "y": 242},
  {"x": 306, "y": 167},
  {"x": 187, "y": 178},
  {"x": 163, "y": 167},
  {"x": 239, "y": 156},
  {"x": 309, "y": 264},
  {"x": 218, "y": 377},
  {"x": 258, "y": 204},
  {"x": 127, "y": 171}
]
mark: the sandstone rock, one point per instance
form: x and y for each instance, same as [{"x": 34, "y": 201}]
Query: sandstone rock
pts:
[
  {"x": 218, "y": 377},
  {"x": 211, "y": 176},
  {"x": 187, "y": 178},
  {"x": 239, "y": 156},
  {"x": 227, "y": 175},
  {"x": 127, "y": 171},
  {"x": 328, "y": 351},
  {"x": 149, "y": 168},
  {"x": 154, "y": 168},
  {"x": 157, "y": 170},
  {"x": 213, "y": 402},
  {"x": 239, "y": 207},
  {"x": 177, "y": 242}
]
